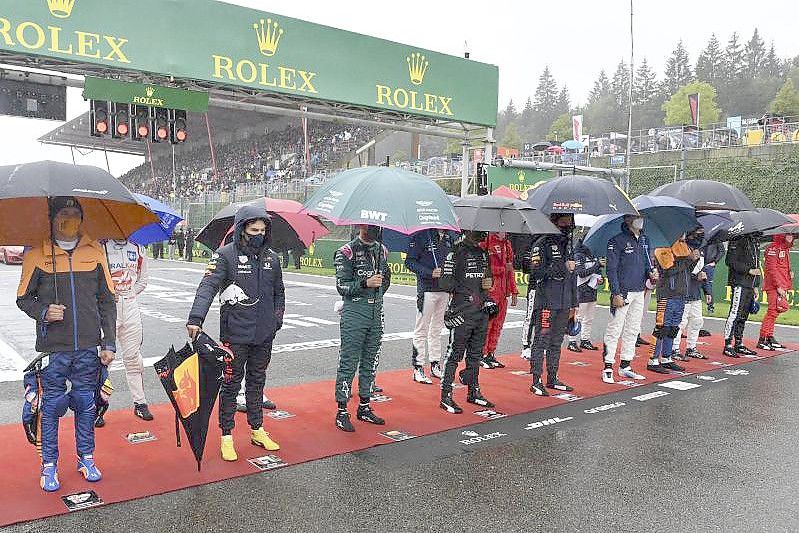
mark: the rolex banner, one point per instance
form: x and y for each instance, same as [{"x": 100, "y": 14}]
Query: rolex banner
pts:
[{"x": 213, "y": 41}]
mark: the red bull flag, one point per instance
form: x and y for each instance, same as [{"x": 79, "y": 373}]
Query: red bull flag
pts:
[{"x": 191, "y": 378}]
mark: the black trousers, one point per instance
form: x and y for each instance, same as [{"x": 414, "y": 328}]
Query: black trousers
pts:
[
  {"x": 250, "y": 361},
  {"x": 740, "y": 303},
  {"x": 467, "y": 339},
  {"x": 550, "y": 327}
]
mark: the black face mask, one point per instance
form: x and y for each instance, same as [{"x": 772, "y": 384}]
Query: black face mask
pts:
[
  {"x": 256, "y": 242},
  {"x": 695, "y": 240},
  {"x": 565, "y": 230}
]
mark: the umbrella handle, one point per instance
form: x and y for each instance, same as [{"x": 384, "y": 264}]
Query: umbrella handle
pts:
[{"x": 432, "y": 250}]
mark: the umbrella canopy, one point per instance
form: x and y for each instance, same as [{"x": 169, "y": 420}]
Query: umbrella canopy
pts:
[
  {"x": 384, "y": 196},
  {"x": 572, "y": 145},
  {"x": 714, "y": 223},
  {"x": 759, "y": 220},
  {"x": 191, "y": 378},
  {"x": 585, "y": 221},
  {"x": 706, "y": 194},
  {"x": 665, "y": 219},
  {"x": 110, "y": 211},
  {"x": 156, "y": 232},
  {"x": 540, "y": 146},
  {"x": 494, "y": 213},
  {"x": 580, "y": 194},
  {"x": 291, "y": 228},
  {"x": 556, "y": 150},
  {"x": 786, "y": 228}
]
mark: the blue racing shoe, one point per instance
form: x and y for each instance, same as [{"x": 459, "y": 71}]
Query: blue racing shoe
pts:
[
  {"x": 89, "y": 470},
  {"x": 49, "y": 478}
]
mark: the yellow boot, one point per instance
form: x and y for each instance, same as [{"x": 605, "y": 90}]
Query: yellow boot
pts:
[
  {"x": 259, "y": 437},
  {"x": 228, "y": 451}
]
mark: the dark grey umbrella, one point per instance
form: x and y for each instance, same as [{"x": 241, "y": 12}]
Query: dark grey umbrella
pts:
[
  {"x": 759, "y": 220},
  {"x": 580, "y": 194},
  {"x": 707, "y": 194},
  {"x": 495, "y": 213},
  {"x": 110, "y": 211}
]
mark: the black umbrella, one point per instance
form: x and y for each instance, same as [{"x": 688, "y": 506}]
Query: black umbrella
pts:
[
  {"x": 759, "y": 220},
  {"x": 540, "y": 146},
  {"x": 191, "y": 378},
  {"x": 580, "y": 194},
  {"x": 495, "y": 213},
  {"x": 707, "y": 194},
  {"x": 110, "y": 211}
]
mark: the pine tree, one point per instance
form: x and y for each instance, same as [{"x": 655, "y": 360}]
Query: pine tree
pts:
[
  {"x": 678, "y": 70},
  {"x": 733, "y": 59},
  {"x": 620, "y": 86},
  {"x": 601, "y": 88},
  {"x": 710, "y": 63},
  {"x": 527, "y": 121},
  {"x": 645, "y": 86},
  {"x": 546, "y": 93},
  {"x": 754, "y": 54},
  {"x": 562, "y": 104},
  {"x": 772, "y": 66}
]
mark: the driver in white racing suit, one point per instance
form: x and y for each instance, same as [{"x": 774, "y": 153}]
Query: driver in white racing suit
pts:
[{"x": 128, "y": 264}]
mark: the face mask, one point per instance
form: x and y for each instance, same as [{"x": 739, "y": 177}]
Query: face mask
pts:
[
  {"x": 789, "y": 239},
  {"x": 68, "y": 227},
  {"x": 565, "y": 229},
  {"x": 255, "y": 241},
  {"x": 638, "y": 224},
  {"x": 372, "y": 233}
]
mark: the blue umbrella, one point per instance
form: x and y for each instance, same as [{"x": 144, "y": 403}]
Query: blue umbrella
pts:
[
  {"x": 156, "y": 232},
  {"x": 714, "y": 223},
  {"x": 572, "y": 145},
  {"x": 665, "y": 219}
]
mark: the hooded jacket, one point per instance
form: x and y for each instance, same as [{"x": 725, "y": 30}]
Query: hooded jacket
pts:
[
  {"x": 84, "y": 287},
  {"x": 257, "y": 273},
  {"x": 777, "y": 265},
  {"x": 742, "y": 256},
  {"x": 675, "y": 265},
  {"x": 500, "y": 259}
]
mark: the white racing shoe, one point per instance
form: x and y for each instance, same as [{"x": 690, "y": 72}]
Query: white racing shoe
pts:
[
  {"x": 628, "y": 372},
  {"x": 607, "y": 375},
  {"x": 419, "y": 376}
]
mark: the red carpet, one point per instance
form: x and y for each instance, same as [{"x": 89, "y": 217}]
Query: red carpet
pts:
[{"x": 137, "y": 470}]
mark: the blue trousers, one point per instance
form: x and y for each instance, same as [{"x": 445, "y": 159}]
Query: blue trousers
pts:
[
  {"x": 667, "y": 325},
  {"x": 82, "y": 369}
]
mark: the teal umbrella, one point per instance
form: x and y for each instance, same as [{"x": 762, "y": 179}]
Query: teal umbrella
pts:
[{"x": 388, "y": 197}]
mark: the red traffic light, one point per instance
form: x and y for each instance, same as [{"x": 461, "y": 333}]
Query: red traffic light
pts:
[
  {"x": 101, "y": 126},
  {"x": 122, "y": 129},
  {"x": 180, "y": 135},
  {"x": 162, "y": 132},
  {"x": 143, "y": 130}
]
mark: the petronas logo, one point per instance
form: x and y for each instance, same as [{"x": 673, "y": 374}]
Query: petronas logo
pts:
[
  {"x": 269, "y": 33},
  {"x": 60, "y": 8},
  {"x": 417, "y": 67}
]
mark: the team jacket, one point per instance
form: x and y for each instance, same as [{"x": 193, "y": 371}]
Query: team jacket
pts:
[
  {"x": 84, "y": 287},
  {"x": 628, "y": 263},
  {"x": 674, "y": 265},
  {"x": 128, "y": 265},
  {"x": 500, "y": 259},
  {"x": 555, "y": 286},
  {"x": 357, "y": 261},
  {"x": 464, "y": 270},
  {"x": 777, "y": 265},
  {"x": 587, "y": 265},
  {"x": 426, "y": 251},
  {"x": 742, "y": 256}
]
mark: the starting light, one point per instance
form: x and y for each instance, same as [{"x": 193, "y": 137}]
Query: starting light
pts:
[
  {"x": 120, "y": 115},
  {"x": 99, "y": 118},
  {"x": 160, "y": 124},
  {"x": 178, "y": 131}
]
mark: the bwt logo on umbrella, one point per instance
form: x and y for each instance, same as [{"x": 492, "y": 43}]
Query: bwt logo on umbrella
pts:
[{"x": 373, "y": 215}]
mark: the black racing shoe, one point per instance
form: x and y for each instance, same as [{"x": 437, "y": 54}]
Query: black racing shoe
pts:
[
  {"x": 376, "y": 389},
  {"x": 573, "y": 347},
  {"x": 366, "y": 414},
  {"x": 449, "y": 405},
  {"x": 743, "y": 350},
  {"x": 729, "y": 351},
  {"x": 266, "y": 403},
  {"x": 141, "y": 410},
  {"x": 693, "y": 353},
  {"x": 485, "y": 362},
  {"x": 477, "y": 398},
  {"x": 704, "y": 333},
  {"x": 640, "y": 341},
  {"x": 496, "y": 363},
  {"x": 658, "y": 369},
  {"x": 775, "y": 343},
  {"x": 343, "y": 422},
  {"x": 538, "y": 389},
  {"x": 677, "y": 356},
  {"x": 99, "y": 421},
  {"x": 559, "y": 385},
  {"x": 673, "y": 366},
  {"x": 588, "y": 345},
  {"x": 764, "y": 344}
]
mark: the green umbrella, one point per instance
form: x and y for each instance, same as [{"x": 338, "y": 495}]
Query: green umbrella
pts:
[{"x": 384, "y": 196}]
